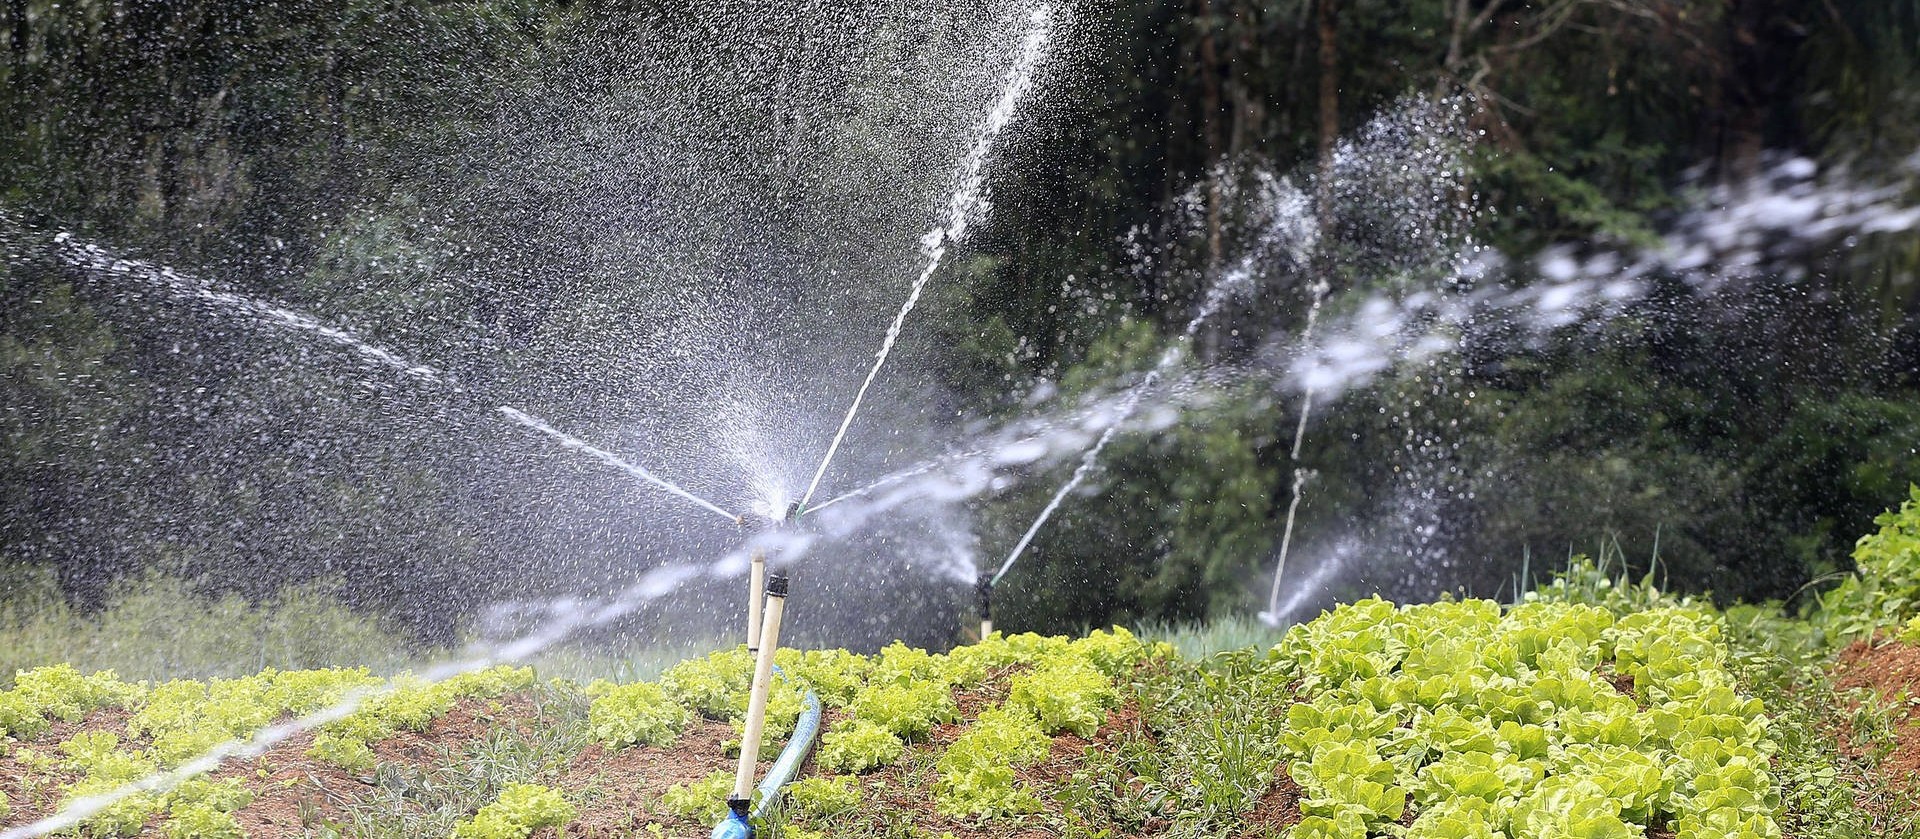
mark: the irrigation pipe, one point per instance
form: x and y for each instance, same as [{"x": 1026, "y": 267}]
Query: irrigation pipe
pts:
[{"x": 742, "y": 811}]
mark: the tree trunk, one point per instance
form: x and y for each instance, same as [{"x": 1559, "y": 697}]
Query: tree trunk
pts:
[
  {"x": 1756, "y": 76},
  {"x": 1328, "y": 22},
  {"x": 1210, "y": 73},
  {"x": 1247, "y": 112},
  {"x": 17, "y": 40}
]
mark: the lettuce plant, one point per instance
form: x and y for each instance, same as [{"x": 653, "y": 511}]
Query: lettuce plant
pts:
[
  {"x": 704, "y": 800},
  {"x": 908, "y": 709},
  {"x": 1065, "y": 694},
  {"x": 857, "y": 745},
  {"x": 637, "y": 714},
  {"x": 976, "y": 773},
  {"x": 823, "y": 798},
  {"x": 517, "y": 813},
  {"x": 715, "y": 686},
  {"x": 1485, "y": 722}
]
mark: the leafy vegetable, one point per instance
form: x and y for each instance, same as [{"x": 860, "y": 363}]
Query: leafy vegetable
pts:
[
  {"x": 704, "y": 800},
  {"x": 636, "y": 714},
  {"x": 517, "y": 813},
  {"x": 977, "y": 771},
  {"x": 858, "y": 746}
]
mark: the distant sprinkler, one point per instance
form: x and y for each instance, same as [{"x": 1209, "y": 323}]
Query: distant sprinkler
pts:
[{"x": 983, "y": 589}]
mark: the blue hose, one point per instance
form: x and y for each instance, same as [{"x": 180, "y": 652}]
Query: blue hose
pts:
[
  {"x": 805, "y": 731},
  {"x": 734, "y": 826}
]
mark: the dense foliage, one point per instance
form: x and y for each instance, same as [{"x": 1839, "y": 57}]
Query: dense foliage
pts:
[
  {"x": 325, "y": 155},
  {"x": 1885, "y": 589}
]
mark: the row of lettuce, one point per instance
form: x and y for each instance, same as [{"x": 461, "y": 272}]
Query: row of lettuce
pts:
[
  {"x": 173, "y": 724},
  {"x": 1460, "y": 720},
  {"x": 888, "y": 701},
  {"x": 1485, "y": 722},
  {"x": 1454, "y": 720}
]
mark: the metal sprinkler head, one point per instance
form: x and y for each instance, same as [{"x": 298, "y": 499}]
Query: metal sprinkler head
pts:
[{"x": 792, "y": 513}]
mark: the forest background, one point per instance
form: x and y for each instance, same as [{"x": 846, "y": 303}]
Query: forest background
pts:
[{"x": 1744, "y": 442}]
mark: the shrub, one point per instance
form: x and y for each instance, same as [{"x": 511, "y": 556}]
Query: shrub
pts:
[{"x": 1884, "y": 590}]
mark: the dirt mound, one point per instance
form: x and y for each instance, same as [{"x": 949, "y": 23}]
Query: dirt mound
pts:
[{"x": 1890, "y": 669}]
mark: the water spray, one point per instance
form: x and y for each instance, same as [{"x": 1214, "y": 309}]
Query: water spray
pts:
[
  {"x": 741, "y": 800},
  {"x": 1301, "y": 475},
  {"x": 609, "y": 458},
  {"x": 98, "y": 260},
  {"x": 966, "y": 202}
]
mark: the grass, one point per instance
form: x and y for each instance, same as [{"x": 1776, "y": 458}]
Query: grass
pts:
[
  {"x": 1829, "y": 792},
  {"x": 630, "y": 661},
  {"x": 157, "y": 627},
  {"x": 1200, "y": 640},
  {"x": 1219, "y": 746},
  {"x": 407, "y": 801}
]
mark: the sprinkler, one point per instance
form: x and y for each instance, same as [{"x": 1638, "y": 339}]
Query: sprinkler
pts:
[
  {"x": 757, "y": 700},
  {"x": 742, "y": 809},
  {"x": 983, "y": 589},
  {"x": 756, "y": 594},
  {"x": 793, "y": 512}
]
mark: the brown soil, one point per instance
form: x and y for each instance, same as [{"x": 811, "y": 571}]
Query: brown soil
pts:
[
  {"x": 627, "y": 783},
  {"x": 618, "y": 792},
  {"x": 1278, "y": 810},
  {"x": 32, "y": 795},
  {"x": 1892, "y": 671},
  {"x": 292, "y": 792},
  {"x": 1622, "y": 682}
]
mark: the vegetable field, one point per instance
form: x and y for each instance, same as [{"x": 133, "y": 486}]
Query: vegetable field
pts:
[{"x": 1593, "y": 708}]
